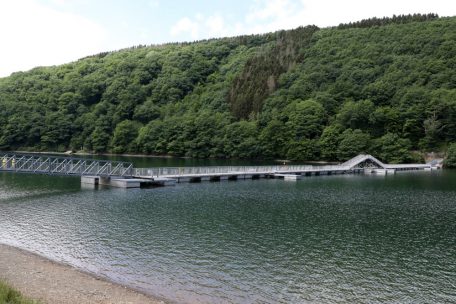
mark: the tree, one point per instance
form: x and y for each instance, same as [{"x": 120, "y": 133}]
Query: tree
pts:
[
  {"x": 150, "y": 138},
  {"x": 146, "y": 112},
  {"x": 329, "y": 142},
  {"x": 352, "y": 143},
  {"x": 125, "y": 134},
  {"x": 305, "y": 119},
  {"x": 241, "y": 140},
  {"x": 304, "y": 149},
  {"x": 450, "y": 160},
  {"x": 356, "y": 115},
  {"x": 390, "y": 148},
  {"x": 99, "y": 139},
  {"x": 274, "y": 139},
  {"x": 432, "y": 128}
]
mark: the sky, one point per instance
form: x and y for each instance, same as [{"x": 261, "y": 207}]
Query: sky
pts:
[{"x": 51, "y": 32}]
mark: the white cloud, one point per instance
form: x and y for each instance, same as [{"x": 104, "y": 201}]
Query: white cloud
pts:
[
  {"x": 32, "y": 33},
  {"x": 271, "y": 15},
  {"x": 59, "y": 2},
  {"x": 186, "y": 26},
  {"x": 215, "y": 25},
  {"x": 154, "y": 3},
  {"x": 263, "y": 10},
  {"x": 201, "y": 27}
]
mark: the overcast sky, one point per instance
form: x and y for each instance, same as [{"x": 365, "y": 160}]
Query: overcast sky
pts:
[{"x": 49, "y": 32}]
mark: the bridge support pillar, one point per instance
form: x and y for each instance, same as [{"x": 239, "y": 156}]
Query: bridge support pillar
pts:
[
  {"x": 105, "y": 181},
  {"x": 90, "y": 180},
  {"x": 183, "y": 179},
  {"x": 379, "y": 171}
]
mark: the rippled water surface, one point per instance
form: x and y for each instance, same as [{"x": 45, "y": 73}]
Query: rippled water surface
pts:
[{"x": 335, "y": 239}]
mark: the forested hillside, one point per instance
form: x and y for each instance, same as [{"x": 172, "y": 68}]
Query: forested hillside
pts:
[{"x": 384, "y": 86}]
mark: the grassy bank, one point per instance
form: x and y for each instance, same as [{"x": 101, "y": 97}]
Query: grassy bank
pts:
[{"x": 9, "y": 295}]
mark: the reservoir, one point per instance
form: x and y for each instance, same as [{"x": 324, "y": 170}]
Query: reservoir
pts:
[{"x": 330, "y": 239}]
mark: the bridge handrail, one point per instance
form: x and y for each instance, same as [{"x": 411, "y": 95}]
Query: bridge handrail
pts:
[
  {"x": 362, "y": 158},
  {"x": 50, "y": 164},
  {"x": 3, "y": 153},
  {"x": 179, "y": 171}
]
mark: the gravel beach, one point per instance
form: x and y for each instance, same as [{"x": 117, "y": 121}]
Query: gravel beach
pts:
[{"x": 53, "y": 283}]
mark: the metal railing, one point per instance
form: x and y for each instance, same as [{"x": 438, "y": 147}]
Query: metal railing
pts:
[
  {"x": 362, "y": 158},
  {"x": 56, "y": 165},
  {"x": 357, "y": 160},
  {"x": 214, "y": 170},
  {"x": 350, "y": 165}
]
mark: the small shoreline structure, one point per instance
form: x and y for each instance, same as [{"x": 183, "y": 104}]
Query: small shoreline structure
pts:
[
  {"x": 123, "y": 175},
  {"x": 44, "y": 280}
]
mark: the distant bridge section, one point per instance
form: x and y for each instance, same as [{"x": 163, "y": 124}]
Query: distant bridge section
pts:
[
  {"x": 369, "y": 161},
  {"x": 57, "y": 165},
  {"x": 361, "y": 163}
]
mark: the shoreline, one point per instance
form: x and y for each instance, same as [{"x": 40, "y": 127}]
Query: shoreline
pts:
[
  {"x": 80, "y": 153},
  {"x": 51, "y": 282}
]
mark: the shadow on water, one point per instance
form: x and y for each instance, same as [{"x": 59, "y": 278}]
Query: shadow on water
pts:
[{"x": 17, "y": 185}]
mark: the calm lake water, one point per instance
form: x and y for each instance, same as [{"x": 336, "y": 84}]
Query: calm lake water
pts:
[{"x": 333, "y": 239}]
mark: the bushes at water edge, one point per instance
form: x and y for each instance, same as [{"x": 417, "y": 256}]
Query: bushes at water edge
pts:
[{"x": 450, "y": 161}]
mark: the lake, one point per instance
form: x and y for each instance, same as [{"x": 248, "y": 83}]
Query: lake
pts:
[{"x": 325, "y": 239}]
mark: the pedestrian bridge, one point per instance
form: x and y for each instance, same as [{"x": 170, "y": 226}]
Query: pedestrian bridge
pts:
[{"x": 123, "y": 174}]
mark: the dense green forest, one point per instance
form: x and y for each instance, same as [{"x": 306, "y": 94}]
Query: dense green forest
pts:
[{"x": 384, "y": 86}]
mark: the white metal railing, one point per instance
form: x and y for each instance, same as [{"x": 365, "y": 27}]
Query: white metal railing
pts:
[
  {"x": 32, "y": 163},
  {"x": 214, "y": 170},
  {"x": 349, "y": 165}
]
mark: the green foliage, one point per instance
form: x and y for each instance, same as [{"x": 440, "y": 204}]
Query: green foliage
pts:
[
  {"x": 304, "y": 149},
  {"x": 10, "y": 296},
  {"x": 382, "y": 85},
  {"x": 99, "y": 139},
  {"x": 241, "y": 140},
  {"x": 356, "y": 115},
  {"x": 305, "y": 119},
  {"x": 261, "y": 72},
  {"x": 450, "y": 161},
  {"x": 329, "y": 141},
  {"x": 124, "y": 137},
  {"x": 390, "y": 148},
  {"x": 274, "y": 139},
  {"x": 352, "y": 143},
  {"x": 400, "y": 19}
]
